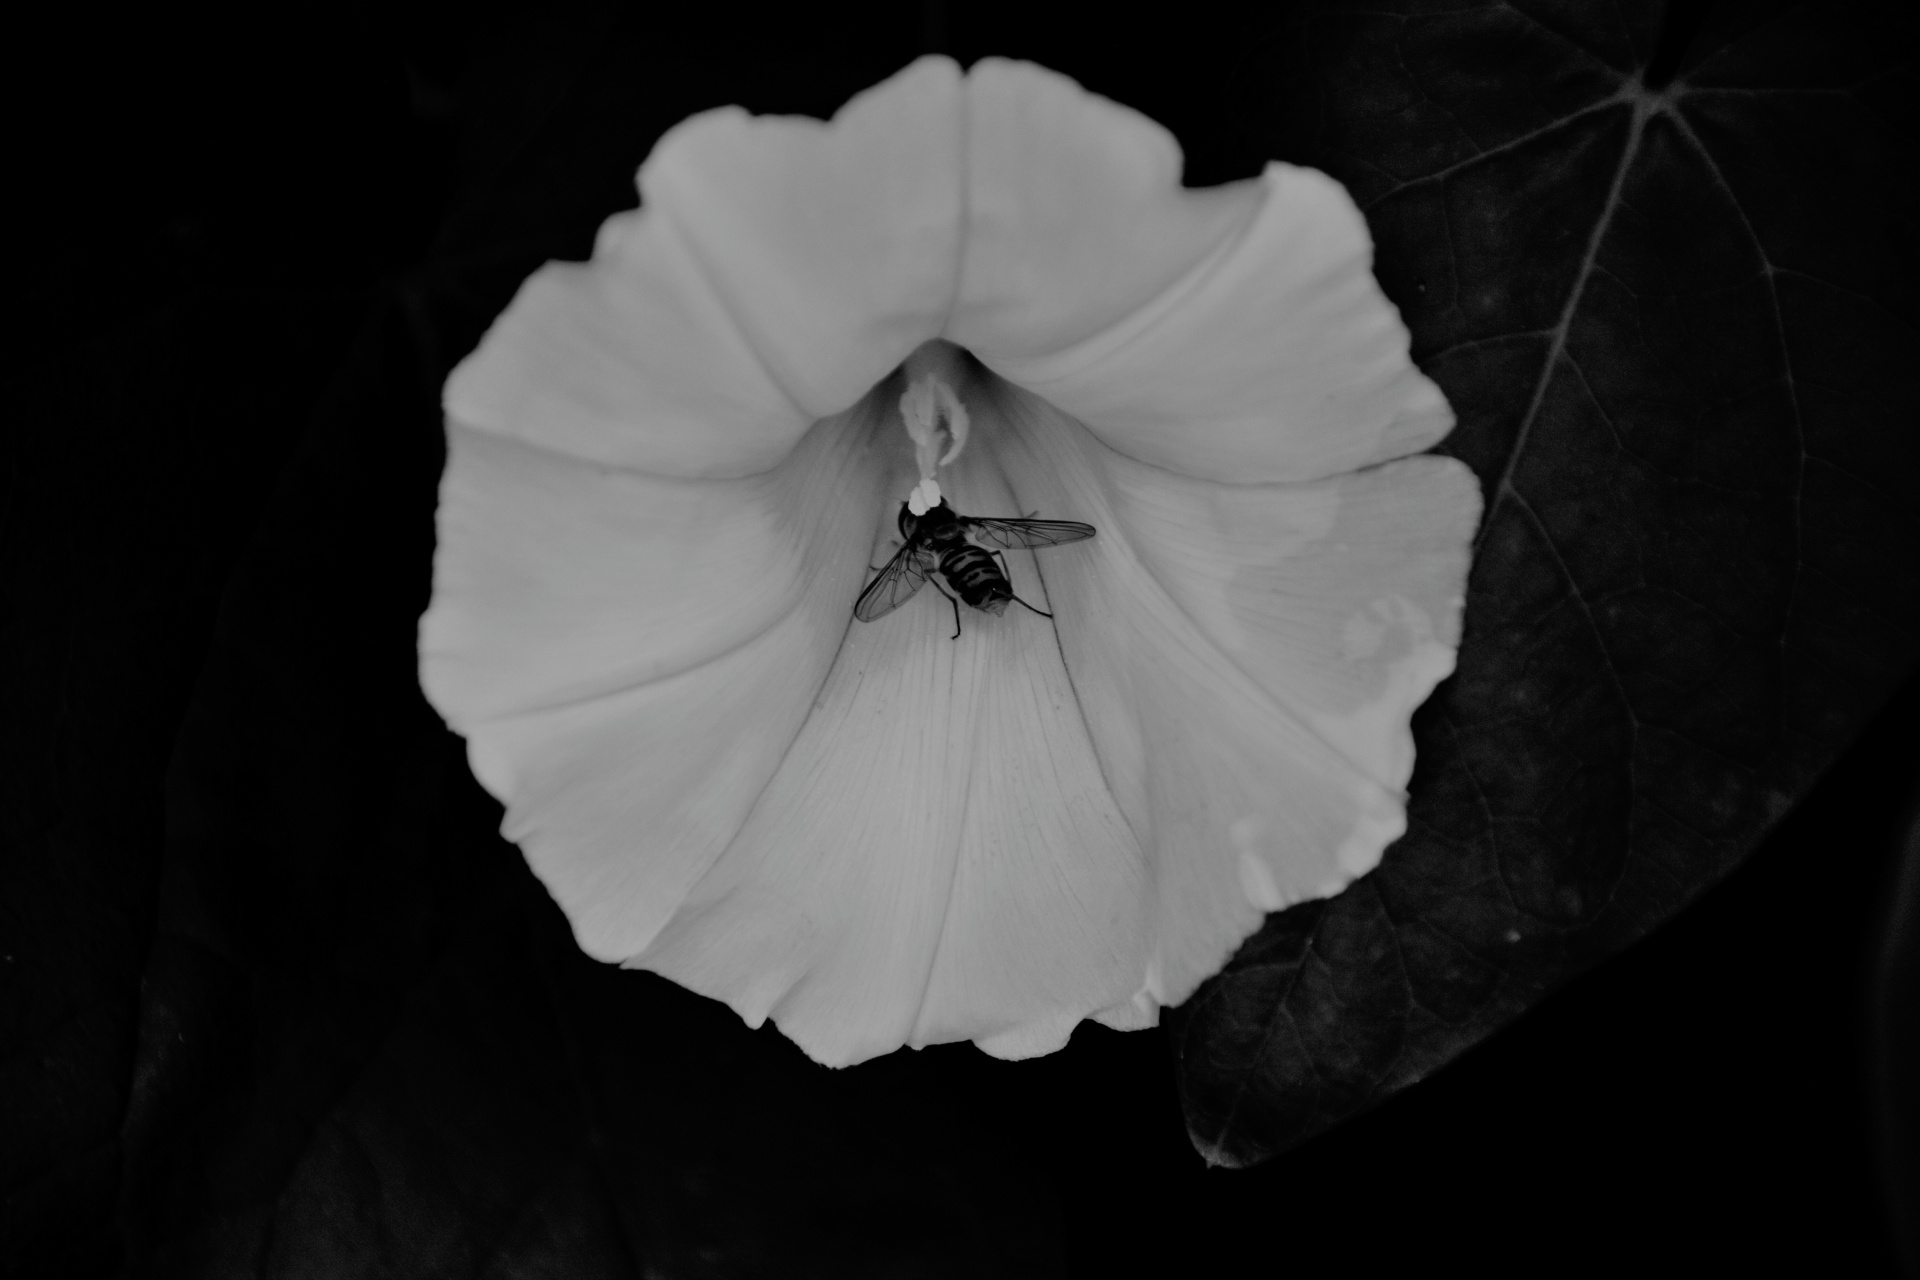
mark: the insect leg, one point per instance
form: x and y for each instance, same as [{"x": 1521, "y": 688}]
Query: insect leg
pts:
[
  {"x": 1016, "y": 599},
  {"x": 950, "y": 600},
  {"x": 1024, "y": 605}
]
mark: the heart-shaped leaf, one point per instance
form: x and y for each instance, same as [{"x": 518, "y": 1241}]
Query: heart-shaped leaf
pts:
[{"x": 1676, "y": 319}]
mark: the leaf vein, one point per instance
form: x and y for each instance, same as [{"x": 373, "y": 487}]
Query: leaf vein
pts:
[{"x": 1504, "y": 489}]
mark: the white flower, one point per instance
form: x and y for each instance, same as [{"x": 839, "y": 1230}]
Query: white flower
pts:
[{"x": 670, "y": 469}]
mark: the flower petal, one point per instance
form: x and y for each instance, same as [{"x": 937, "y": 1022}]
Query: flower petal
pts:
[
  {"x": 1340, "y": 598},
  {"x": 1251, "y": 736},
  {"x": 937, "y": 857},
  {"x": 1075, "y": 214},
  {"x": 1232, "y": 334},
  {"x": 629, "y": 657},
  {"x": 777, "y": 269}
]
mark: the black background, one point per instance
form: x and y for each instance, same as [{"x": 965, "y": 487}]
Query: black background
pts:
[{"x": 241, "y": 239}]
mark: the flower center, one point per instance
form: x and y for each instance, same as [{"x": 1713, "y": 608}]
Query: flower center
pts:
[{"x": 934, "y": 416}]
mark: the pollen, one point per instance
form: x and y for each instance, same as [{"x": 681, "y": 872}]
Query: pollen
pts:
[{"x": 924, "y": 497}]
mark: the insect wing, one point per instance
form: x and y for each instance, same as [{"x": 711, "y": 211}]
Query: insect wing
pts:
[
  {"x": 1012, "y": 534},
  {"x": 903, "y": 575}
]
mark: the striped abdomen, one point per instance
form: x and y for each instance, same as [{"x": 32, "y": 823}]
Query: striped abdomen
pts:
[{"x": 975, "y": 577}]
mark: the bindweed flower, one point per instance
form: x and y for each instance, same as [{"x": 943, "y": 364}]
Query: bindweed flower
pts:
[{"x": 671, "y": 469}]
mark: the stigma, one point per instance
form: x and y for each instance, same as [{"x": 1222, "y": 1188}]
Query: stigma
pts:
[{"x": 934, "y": 416}]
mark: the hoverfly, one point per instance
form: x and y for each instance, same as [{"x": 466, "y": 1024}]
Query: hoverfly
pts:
[{"x": 942, "y": 540}]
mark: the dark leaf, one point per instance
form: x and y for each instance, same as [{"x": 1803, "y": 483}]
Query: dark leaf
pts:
[
  {"x": 1676, "y": 326},
  {"x": 139, "y": 458}
]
